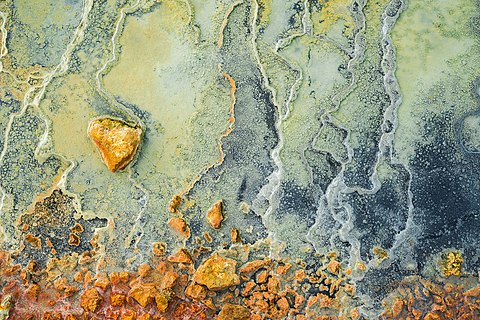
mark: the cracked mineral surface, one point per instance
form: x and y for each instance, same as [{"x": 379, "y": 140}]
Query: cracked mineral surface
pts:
[{"x": 239, "y": 159}]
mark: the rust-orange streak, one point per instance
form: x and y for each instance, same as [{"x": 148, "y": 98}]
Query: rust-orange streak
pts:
[
  {"x": 231, "y": 112},
  {"x": 231, "y": 120}
]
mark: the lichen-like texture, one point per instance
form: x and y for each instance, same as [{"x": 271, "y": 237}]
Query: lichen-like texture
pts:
[{"x": 239, "y": 159}]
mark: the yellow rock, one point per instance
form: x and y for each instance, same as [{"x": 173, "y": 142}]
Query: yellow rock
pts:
[
  {"x": 451, "y": 264},
  {"x": 162, "y": 300},
  {"x": 116, "y": 141},
  {"x": 233, "y": 312},
  {"x": 217, "y": 273}
]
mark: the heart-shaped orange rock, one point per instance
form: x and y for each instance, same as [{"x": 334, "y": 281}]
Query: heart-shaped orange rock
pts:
[{"x": 116, "y": 141}]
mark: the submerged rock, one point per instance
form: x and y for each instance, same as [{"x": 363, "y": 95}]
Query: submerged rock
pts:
[{"x": 116, "y": 141}]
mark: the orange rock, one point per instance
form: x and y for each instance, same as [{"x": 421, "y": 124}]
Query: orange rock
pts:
[
  {"x": 32, "y": 291},
  {"x": 334, "y": 266},
  {"x": 143, "y": 293},
  {"x": 248, "y": 288},
  {"x": 180, "y": 227},
  {"x": 262, "y": 305},
  {"x": 360, "y": 266},
  {"x": 117, "y": 299},
  {"x": 24, "y": 276},
  {"x": 299, "y": 300},
  {"x": 397, "y": 308},
  {"x": 207, "y": 236},
  {"x": 217, "y": 273},
  {"x": 60, "y": 283},
  {"x": 432, "y": 316},
  {"x": 77, "y": 228},
  {"x": 262, "y": 277},
  {"x": 158, "y": 248},
  {"x": 355, "y": 314},
  {"x": 282, "y": 304},
  {"x": 174, "y": 203},
  {"x": 416, "y": 313},
  {"x": 161, "y": 267},
  {"x": 235, "y": 236},
  {"x": 215, "y": 215},
  {"x": 182, "y": 256},
  {"x": 209, "y": 303},
  {"x": 186, "y": 311},
  {"x": 144, "y": 270},
  {"x": 32, "y": 266},
  {"x": 70, "y": 290},
  {"x": 129, "y": 315},
  {"x": 233, "y": 312},
  {"x": 73, "y": 240},
  {"x": 475, "y": 292},
  {"x": 114, "y": 278},
  {"x": 273, "y": 286},
  {"x": 350, "y": 289},
  {"x": 33, "y": 241},
  {"x": 78, "y": 277},
  {"x": 196, "y": 291},
  {"x": 52, "y": 316},
  {"x": 91, "y": 300},
  {"x": 102, "y": 282},
  {"x": 169, "y": 280},
  {"x": 300, "y": 275},
  {"x": 253, "y": 266},
  {"x": 282, "y": 270},
  {"x": 116, "y": 141}
]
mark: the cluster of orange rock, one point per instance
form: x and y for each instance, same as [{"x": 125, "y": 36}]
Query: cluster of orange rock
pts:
[
  {"x": 173, "y": 288},
  {"x": 217, "y": 288},
  {"x": 214, "y": 217},
  {"x": 418, "y": 298}
]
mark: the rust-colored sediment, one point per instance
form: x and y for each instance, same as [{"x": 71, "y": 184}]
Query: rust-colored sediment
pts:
[
  {"x": 215, "y": 286},
  {"x": 192, "y": 283},
  {"x": 418, "y": 298}
]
